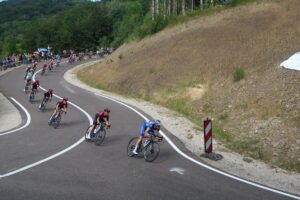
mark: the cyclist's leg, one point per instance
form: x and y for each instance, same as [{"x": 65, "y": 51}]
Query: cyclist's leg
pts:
[
  {"x": 54, "y": 113},
  {"x": 92, "y": 128},
  {"x": 42, "y": 102},
  {"x": 33, "y": 91},
  {"x": 142, "y": 131}
]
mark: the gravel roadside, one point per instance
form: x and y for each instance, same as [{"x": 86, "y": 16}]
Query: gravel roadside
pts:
[
  {"x": 185, "y": 131},
  {"x": 8, "y": 111}
]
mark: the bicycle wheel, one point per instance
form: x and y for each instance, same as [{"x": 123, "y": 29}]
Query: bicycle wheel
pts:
[
  {"x": 56, "y": 122},
  {"x": 41, "y": 105},
  {"x": 151, "y": 152},
  {"x": 44, "y": 106},
  {"x": 31, "y": 98},
  {"x": 26, "y": 89},
  {"x": 99, "y": 136},
  {"x": 131, "y": 146},
  {"x": 51, "y": 120}
]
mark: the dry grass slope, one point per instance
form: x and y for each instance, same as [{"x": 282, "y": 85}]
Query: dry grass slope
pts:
[{"x": 260, "y": 113}]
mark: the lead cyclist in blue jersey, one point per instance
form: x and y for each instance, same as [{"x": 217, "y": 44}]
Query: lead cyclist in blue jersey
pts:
[{"x": 148, "y": 129}]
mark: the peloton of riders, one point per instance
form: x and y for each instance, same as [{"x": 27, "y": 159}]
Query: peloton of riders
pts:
[{"x": 148, "y": 129}]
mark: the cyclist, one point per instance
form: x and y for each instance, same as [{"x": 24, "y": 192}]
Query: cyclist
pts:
[
  {"x": 27, "y": 71},
  {"x": 34, "y": 66},
  {"x": 28, "y": 76},
  {"x": 45, "y": 66},
  {"x": 35, "y": 85},
  {"x": 148, "y": 129},
  {"x": 100, "y": 117},
  {"x": 48, "y": 95},
  {"x": 61, "y": 106},
  {"x": 51, "y": 63}
]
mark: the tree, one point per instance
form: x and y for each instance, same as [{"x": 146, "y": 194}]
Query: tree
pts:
[{"x": 183, "y": 7}]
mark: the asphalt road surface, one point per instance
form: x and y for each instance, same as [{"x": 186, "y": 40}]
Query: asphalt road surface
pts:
[{"x": 105, "y": 172}]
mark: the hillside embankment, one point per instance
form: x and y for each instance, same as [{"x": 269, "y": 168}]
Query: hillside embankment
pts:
[{"x": 224, "y": 66}]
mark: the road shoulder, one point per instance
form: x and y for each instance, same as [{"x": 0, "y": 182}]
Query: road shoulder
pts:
[
  {"x": 186, "y": 132},
  {"x": 10, "y": 116}
]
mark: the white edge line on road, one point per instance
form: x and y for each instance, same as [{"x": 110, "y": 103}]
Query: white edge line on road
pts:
[
  {"x": 199, "y": 163},
  {"x": 57, "y": 154},
  {"x": 27, "y": 122}
]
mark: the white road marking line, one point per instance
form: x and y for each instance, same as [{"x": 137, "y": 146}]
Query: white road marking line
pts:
[
  {"x": 202, "y": 164},
  {"x": 57, "y": 154},
  {"x": 178, "y": 170},
  {"x": 27, "y": 122}
]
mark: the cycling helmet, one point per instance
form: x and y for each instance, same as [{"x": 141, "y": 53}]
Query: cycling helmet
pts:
[
  {"x": 65, "y": 98},
  {"x": 50, "y": 90},
  {"x": 157, "y": 125},
  {"x": 107, "y": 110}
]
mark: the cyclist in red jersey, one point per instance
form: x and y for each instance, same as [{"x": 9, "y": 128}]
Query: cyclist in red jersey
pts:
[
  {"x": 45, "y": 66},
  {"x": 35, "y": 85},
  {"x": 100, "y": 117},
  {"x": 61, "y": 106},
  {"x": 48, "y": 95}
]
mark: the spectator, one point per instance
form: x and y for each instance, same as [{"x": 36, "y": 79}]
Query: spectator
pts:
[{"x": 1, "y": 64}]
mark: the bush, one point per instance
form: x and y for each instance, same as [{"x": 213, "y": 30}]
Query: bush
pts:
[
  {"x": 150, "y": 27},
  {"x": 120, "y": 56},
  {"x": 238, "y": 74}
]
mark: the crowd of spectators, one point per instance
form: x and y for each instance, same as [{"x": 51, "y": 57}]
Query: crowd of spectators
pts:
[{"x": 15, "y": 60}]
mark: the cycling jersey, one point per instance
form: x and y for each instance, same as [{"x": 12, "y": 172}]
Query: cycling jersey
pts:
[
  {"x": 147, "y": 125},
  {"x": 48, "y": 94},
  {"x": 61, "y": 104},
  {"x": 29, "y": 76},
  {"x": 35, "y": 85},
  {"x": 101, "y": 116}
]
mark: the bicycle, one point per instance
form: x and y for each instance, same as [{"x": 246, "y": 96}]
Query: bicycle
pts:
[
  {"x": 55, "y": 121},
  {"x": 31, "y": 96},
  {"x": 148, "y": 148},
  {"x": 26, "y": 89},
  {"x": 43, "y": 104},
  {"x": 98, "y": 134}
]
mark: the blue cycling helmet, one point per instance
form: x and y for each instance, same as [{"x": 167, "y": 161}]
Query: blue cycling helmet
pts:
[{"x": 157, "y": 125}]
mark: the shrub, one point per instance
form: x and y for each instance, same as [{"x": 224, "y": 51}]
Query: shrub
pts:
[{"x": 238, "y": 74}]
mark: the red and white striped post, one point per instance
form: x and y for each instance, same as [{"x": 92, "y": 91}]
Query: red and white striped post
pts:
[{"x": 208, "y": 135}]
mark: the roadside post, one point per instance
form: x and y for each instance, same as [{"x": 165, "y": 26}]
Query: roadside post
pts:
[
  {"x": 208, "y": 136},
  {"x": 208, "y": 141}
]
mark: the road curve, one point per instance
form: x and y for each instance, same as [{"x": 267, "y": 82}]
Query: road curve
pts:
[{"x": 104, "y": 172}]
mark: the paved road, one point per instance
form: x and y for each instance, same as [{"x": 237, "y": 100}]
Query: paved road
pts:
[{"x": 91, "y": 172}]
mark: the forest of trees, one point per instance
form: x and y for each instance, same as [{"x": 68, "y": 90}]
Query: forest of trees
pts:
[{"x": 26, "y": 25}]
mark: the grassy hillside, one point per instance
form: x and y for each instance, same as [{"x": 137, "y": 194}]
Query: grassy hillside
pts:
[{"x": 224, "y": 66}]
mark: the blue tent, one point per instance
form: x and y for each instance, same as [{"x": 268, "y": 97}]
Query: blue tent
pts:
[{"x": 42, "y": 50}]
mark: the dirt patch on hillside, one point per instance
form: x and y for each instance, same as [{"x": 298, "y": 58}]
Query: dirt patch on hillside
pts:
[{"x": 258, "y": 116}]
